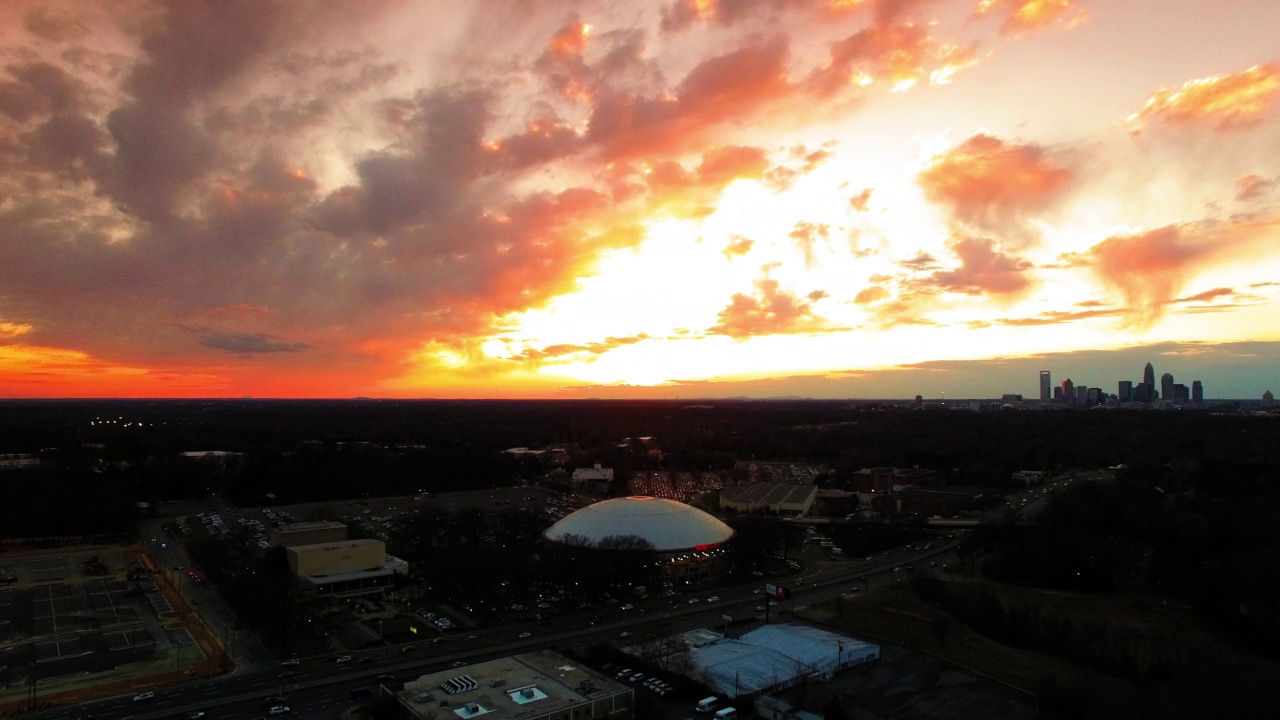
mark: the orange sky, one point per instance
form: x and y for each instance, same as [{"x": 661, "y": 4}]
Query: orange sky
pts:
[{"x": 576, "y": 199}]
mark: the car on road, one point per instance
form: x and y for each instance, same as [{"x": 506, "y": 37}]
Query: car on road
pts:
[
  {"x": 624, "y": 633},
  {"x": 458, "y": 663},
  {"x": 343, "y": 659},
  {"x": 759, "y": 608},
  {"x": 144, "y": 696},
  {"x": 693, "y": 601},
  {"x": 713, "y": 598},
  {"x": 194, "y": 715},
  {"x": 292, "y": 661},
  {"x": 275, "y": 699},
  {"x": 524, "y": 635},
  {"x": 278, "y": 710}
]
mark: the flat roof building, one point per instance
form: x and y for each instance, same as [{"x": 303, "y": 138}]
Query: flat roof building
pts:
[
  {"x": 540, "y": 685},
  {"x": 780, "y": 498},
  {"x": 308, "y": 533},
  {"x": 350, "y": 567}
]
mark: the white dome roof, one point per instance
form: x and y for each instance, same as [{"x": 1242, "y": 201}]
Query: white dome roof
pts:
[{"x": 667, "y": 524}]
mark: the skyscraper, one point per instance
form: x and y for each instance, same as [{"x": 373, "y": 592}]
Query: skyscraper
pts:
[
  {"x": 1149, "y": 375},
  {"x": 1197, "y": 392},
  {"x": 1044, "y": 386},
  {"x": 1125, "y": 393},
  {"x": 1166, "y": 387},
  {"x": 1068, "y": 391}
]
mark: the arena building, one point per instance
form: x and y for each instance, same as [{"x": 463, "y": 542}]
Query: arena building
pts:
[{"x": 687, "y": 544}]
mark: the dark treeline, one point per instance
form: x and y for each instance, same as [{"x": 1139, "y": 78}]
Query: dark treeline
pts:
[{"x": 310, "y": 450}]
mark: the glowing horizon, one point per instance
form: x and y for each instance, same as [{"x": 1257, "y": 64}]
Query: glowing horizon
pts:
[{"x": 308, "y": 200}]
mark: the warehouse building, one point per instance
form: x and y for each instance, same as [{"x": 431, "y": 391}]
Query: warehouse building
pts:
[
  {"x": 770, "y": 658},
  {"x": 789, "y": 499}
]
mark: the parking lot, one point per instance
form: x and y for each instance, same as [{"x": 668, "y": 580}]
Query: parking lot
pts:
[{"x": 80, "y": 618}]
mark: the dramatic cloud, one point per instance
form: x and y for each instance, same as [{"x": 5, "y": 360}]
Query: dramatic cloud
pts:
[
  {"x": 1150, "y": 268},
  {"x": 1022, "y": 16},
  {"x": 983, "y": 270},
  {"x": 1252, "y": 187},
  {"x": 995, "y": 187},
  {"x": 806, "y": 235},
  {"x": 772, "y": 312},
  {"x": 1227, "y": 102},
  {"x": 249, "y": 343}
]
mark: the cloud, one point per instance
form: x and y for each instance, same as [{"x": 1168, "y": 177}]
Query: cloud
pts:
[
  {"x": 1225, "y": 102},
  {"x": 859, "y": 202},
  {"x": 871, "y": 294},
  {"x": 249, "y": 343},
  {"x": 12, "y": 330},
  {"x": 921, "y": 262},
  {"x": 1252, "y": 187},
  {"x": 806, "y": 234},
  {"x": 1150, "y": 268},
  {"x": 54, "y": 25},
  {"x": 772, "y": 311},
  {"x": 1058, "y": 317},
  {"x": 983, "y": 270},
  {"x": 738, "y": 245},
  {"x": 566, "y": 349},
  {"x": 995, "y": 187},
  {"x": 1207, "y": 295},
  {"x": 1022, "y": 16}
]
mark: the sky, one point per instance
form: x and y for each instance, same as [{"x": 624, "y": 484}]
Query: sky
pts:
[{"x": 679, "y": 198}]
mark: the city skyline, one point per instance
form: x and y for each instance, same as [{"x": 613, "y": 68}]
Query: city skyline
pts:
[{"x": 821, "y": 198}]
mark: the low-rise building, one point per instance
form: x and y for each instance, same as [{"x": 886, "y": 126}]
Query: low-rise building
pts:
[
  {"x": 540, "y": 685},
  {"x": 350, "y": 567},
  {"x": 308, "y": 533},
  {"x": 779, "y": 498}
]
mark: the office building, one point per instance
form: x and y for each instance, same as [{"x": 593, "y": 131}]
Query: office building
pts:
[
  {"x": 1045, "y": 384},
  {"x": 1125, "y": 391},
  {"x": 1149, "y": 375},
  {"x": 1197, "y": 392},
  {"x": 1068, "y": 391},
  {"x": 1166, "y": 387}
]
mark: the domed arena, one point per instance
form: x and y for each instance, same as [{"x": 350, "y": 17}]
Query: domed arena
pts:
[{"x": 686, "y": 544}]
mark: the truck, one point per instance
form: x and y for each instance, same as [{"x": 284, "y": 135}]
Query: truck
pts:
[
  {"x": 707, "y": 704},
  {"x": 727, "y": 714}
]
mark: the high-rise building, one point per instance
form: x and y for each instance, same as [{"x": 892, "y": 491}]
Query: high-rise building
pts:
[
  {"x": 1166, "y": 387},
  {"x": 1068, "y": 391},
  {"x": 1197, "y": 392},
  {"x": 1094, "y": 397},
  {"x": 1149, "y": 375},
  {"x": 1045, "y": 384},
  {"x": 1082, "y": 394},
  {"x": 1125, "y": 393}
]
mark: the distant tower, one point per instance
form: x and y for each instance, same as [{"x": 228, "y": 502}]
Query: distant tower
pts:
[
  {"x": 1045, "y": 384},
  {"x": 1068, "y": 391},
  {"x": 1125, "y": 393},
  {"x": 1197, "y": 392},
  {"x": 1149, "y": 375},
  {"x": 1166, "y": 387},
  {"x": 1268, "y": 399}
]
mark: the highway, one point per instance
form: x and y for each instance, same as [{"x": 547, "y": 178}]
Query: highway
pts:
[{"x": 321, "y": 688}]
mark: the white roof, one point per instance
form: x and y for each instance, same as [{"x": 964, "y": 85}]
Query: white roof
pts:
[
  {"x": 775, "y": 656},
  {"x": 666, "y": 524}
]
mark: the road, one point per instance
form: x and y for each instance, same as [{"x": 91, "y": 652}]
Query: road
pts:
[{"x": 321, "y": 688}]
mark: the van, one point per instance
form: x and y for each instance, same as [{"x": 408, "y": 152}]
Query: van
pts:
[
  {"x": 727, "y": 714},
  {"x": 707, "y": 704}
]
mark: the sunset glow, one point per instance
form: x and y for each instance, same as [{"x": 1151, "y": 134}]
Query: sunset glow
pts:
[{"x": 500, "y": 199}]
